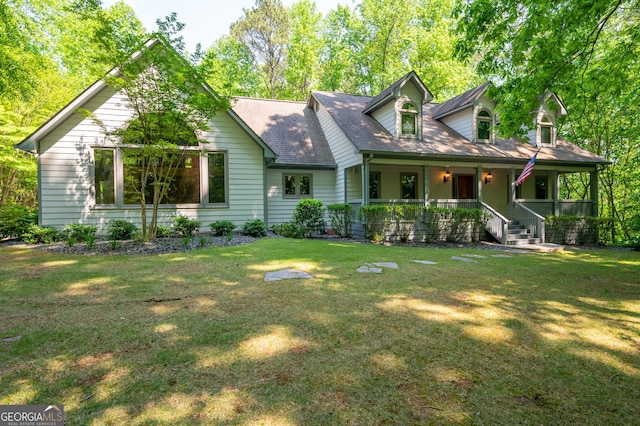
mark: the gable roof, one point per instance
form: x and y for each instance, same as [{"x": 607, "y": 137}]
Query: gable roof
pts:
[
  {"x": 391, "y": 92},
  {"x": 290, "y": 129},
  {"x": 31, "y": 142},
  {"x": 460, "y": 102},
  {"x": 440, "y": 142}
]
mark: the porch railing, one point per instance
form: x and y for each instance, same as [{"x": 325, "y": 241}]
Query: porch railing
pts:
[
  {"x": 454, "y": 203},
  {"x": 565, "y": 207},
  {"x": 382, "y": 201},
  {"x": 497, "y": 225},
  {"x": 530, "y": 219}
]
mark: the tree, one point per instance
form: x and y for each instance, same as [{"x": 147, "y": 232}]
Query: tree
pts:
[
  {"x": 231, "y": 68},
  {"x": 585, "y": 51},
  {"x": 170, "y": 104},
  {"x": 303, "y": 51},
  {"x": 264, "y": 30}
]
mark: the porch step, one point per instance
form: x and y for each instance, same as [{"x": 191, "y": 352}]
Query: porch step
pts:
[{"x": 519, "y": 235}]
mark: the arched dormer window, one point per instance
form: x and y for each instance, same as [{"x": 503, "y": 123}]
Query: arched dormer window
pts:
[
  {"x": 409, "y": 120},
  {"x": 484, "y": 123},
  {"x": 546, "y": 130}
]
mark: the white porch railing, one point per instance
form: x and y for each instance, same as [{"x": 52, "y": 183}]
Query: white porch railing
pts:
[
  {"x": 498, "y": 225},
  {"x": 530, "y": 219},
  {"x": 455, "y": 203}
]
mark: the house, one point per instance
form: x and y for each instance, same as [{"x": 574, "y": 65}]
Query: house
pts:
[{"x": 262, "y": 156}]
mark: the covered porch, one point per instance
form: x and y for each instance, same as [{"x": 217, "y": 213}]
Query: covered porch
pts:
[{"x": 516, "y": 214}]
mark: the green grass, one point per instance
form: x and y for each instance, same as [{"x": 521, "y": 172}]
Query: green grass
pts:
[{"x": 200, "y": 338}]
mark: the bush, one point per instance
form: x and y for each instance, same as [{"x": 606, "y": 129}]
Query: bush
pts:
[
  {"x": 41, "y": 235},
  {"x": 222, "y": 227},
  {"x": 16, "y": 220},
  {"x": 121, "y": 230},
  {"x": 163, "y": 231},
  {"x": 186, "y": 226},
  {"x": 375, "y": 220},
  {"x": 289, "y": 230},
  {"x": 255, "y": 228},
  {"x": 75, "y": 232},
  {"x": 309, "y": 214},
  {"x": 340, "y": 216}
]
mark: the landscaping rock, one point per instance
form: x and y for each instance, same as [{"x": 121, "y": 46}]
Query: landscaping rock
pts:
[
  {"x": 286, "y": 274},
  {"x": 390, "y": 265},
  {"x": 464, "y": 259},
  {"x": 425, "y": 262},
  {"x": 369, "y": 270}
]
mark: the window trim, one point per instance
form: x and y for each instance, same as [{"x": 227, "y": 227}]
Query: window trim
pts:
[
  {"x": 546, "y": 123},
  {"x": 297, "y": 176},
  {"x": 114, "y": 159},
  {"x": 414, "y": 112},
  {"x": 483, "y": 119}
]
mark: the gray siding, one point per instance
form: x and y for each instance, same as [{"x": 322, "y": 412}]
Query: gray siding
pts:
[
  {"x": 280, "y": 208},
  {"x": 344, "y": 152},
  {"x": 386, "y": 116},
  {"x": 461, "y": 122},
  {"x": 66, "y": 171}
]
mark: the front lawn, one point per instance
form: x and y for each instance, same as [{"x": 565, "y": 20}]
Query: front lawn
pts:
[{"x": 200, "y": 337}]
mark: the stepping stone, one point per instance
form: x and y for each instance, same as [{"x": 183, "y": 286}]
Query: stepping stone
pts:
[
  {"x": 286, "y": 274},
  {"x": 464, "y": 259},
  {"x": 504, "y": 256},
  {"x": 477, "y": 256},
  {"x": 369, "y": 270},
  {"x": 425, "y": 262},
  {"x": 390, "y": 265},
  {"x": 11, "y": 339}
]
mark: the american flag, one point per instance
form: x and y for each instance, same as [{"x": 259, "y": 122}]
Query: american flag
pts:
[{"x": 527, "y": 170}]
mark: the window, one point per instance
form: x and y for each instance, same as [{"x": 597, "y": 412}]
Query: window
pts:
[
  {"x": 408, "y": 119},
  {"x": 409, "y": 183},
  {"x": 217, "y": 178},
  {"x": 297, "y": 186},
  {"x": 546, "y": 131},
  {"x": 542, "y": 183},
  {"x": 177, "y": 174},
  {"x": 374, "y": 185},
  {"x": 484, "y": 126},
  {"x": 103, "y": 176}
]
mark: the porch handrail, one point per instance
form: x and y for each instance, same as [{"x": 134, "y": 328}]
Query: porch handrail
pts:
[
  {"x": 530, "y": 219},
  {"x": 497, "y": 225}
]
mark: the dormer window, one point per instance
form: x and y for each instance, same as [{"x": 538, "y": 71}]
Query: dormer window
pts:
[
  {"x": 483, "y": 126},
  {"x": 408, "y": 119},
  {"x": 546, "y": 131}
]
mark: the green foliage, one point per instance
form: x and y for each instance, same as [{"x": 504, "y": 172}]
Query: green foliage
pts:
[
  {"x": 77, "y": 233},
  {"x": 341, "y": 217},
  {"x": 466, "y": 224},
  {"x": 223, "y": 227},
  {"x": 185, "y": 226},
  {"x": 255, "y": 228},
  {"x": 41, "y": 235},
  {"x": 15, "y": 221},
  {"x": 375, "y": 219},
  {"x": 121, "y": 230},
  {"x": 435, "y": 223},
  {"x": 289, "y": 230},
  {"x": 163, "y": 231},
  {"x": 405, "y": 217},
  {"x": 309, "y": 215}
]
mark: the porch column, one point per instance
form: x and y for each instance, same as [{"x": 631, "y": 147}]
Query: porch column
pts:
[
  {"x": 425, "y": 182},
  {"x": 512, "y": 190},
  {"x": 479, "y": 182},
  {"x": 555, "y": 177},
  {"x": 365, "y": 182},
  {"x": 594, "y": 192}
]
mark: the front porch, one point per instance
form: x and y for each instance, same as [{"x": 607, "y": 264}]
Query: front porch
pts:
[{"x": 512, "y": 218}]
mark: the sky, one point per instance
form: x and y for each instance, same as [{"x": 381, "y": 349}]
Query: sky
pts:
[{"x": 205, "y": 21}]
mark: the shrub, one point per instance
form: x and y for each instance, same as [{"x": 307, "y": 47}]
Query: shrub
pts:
[
  {"x": 222, "y": 227},
  {"x": 75, "y": 232},
  {"x": 405, "y": 217},
  {"x": 163, "y": 231},
  {"x": 340, "y": 216},
  {"x": 121, "y": 230},
  {"x": 255, "y": 228},
  {"x": 16, "y": 220},
  {"x": 309, "y": 214},
  {"x": 434, "y": 223},
  {"x": 289, "y": 230},
  {"x": 186, "y": 226},
  {"x": 41, "y": 235},
  {"x": 375, "y": 219}
]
